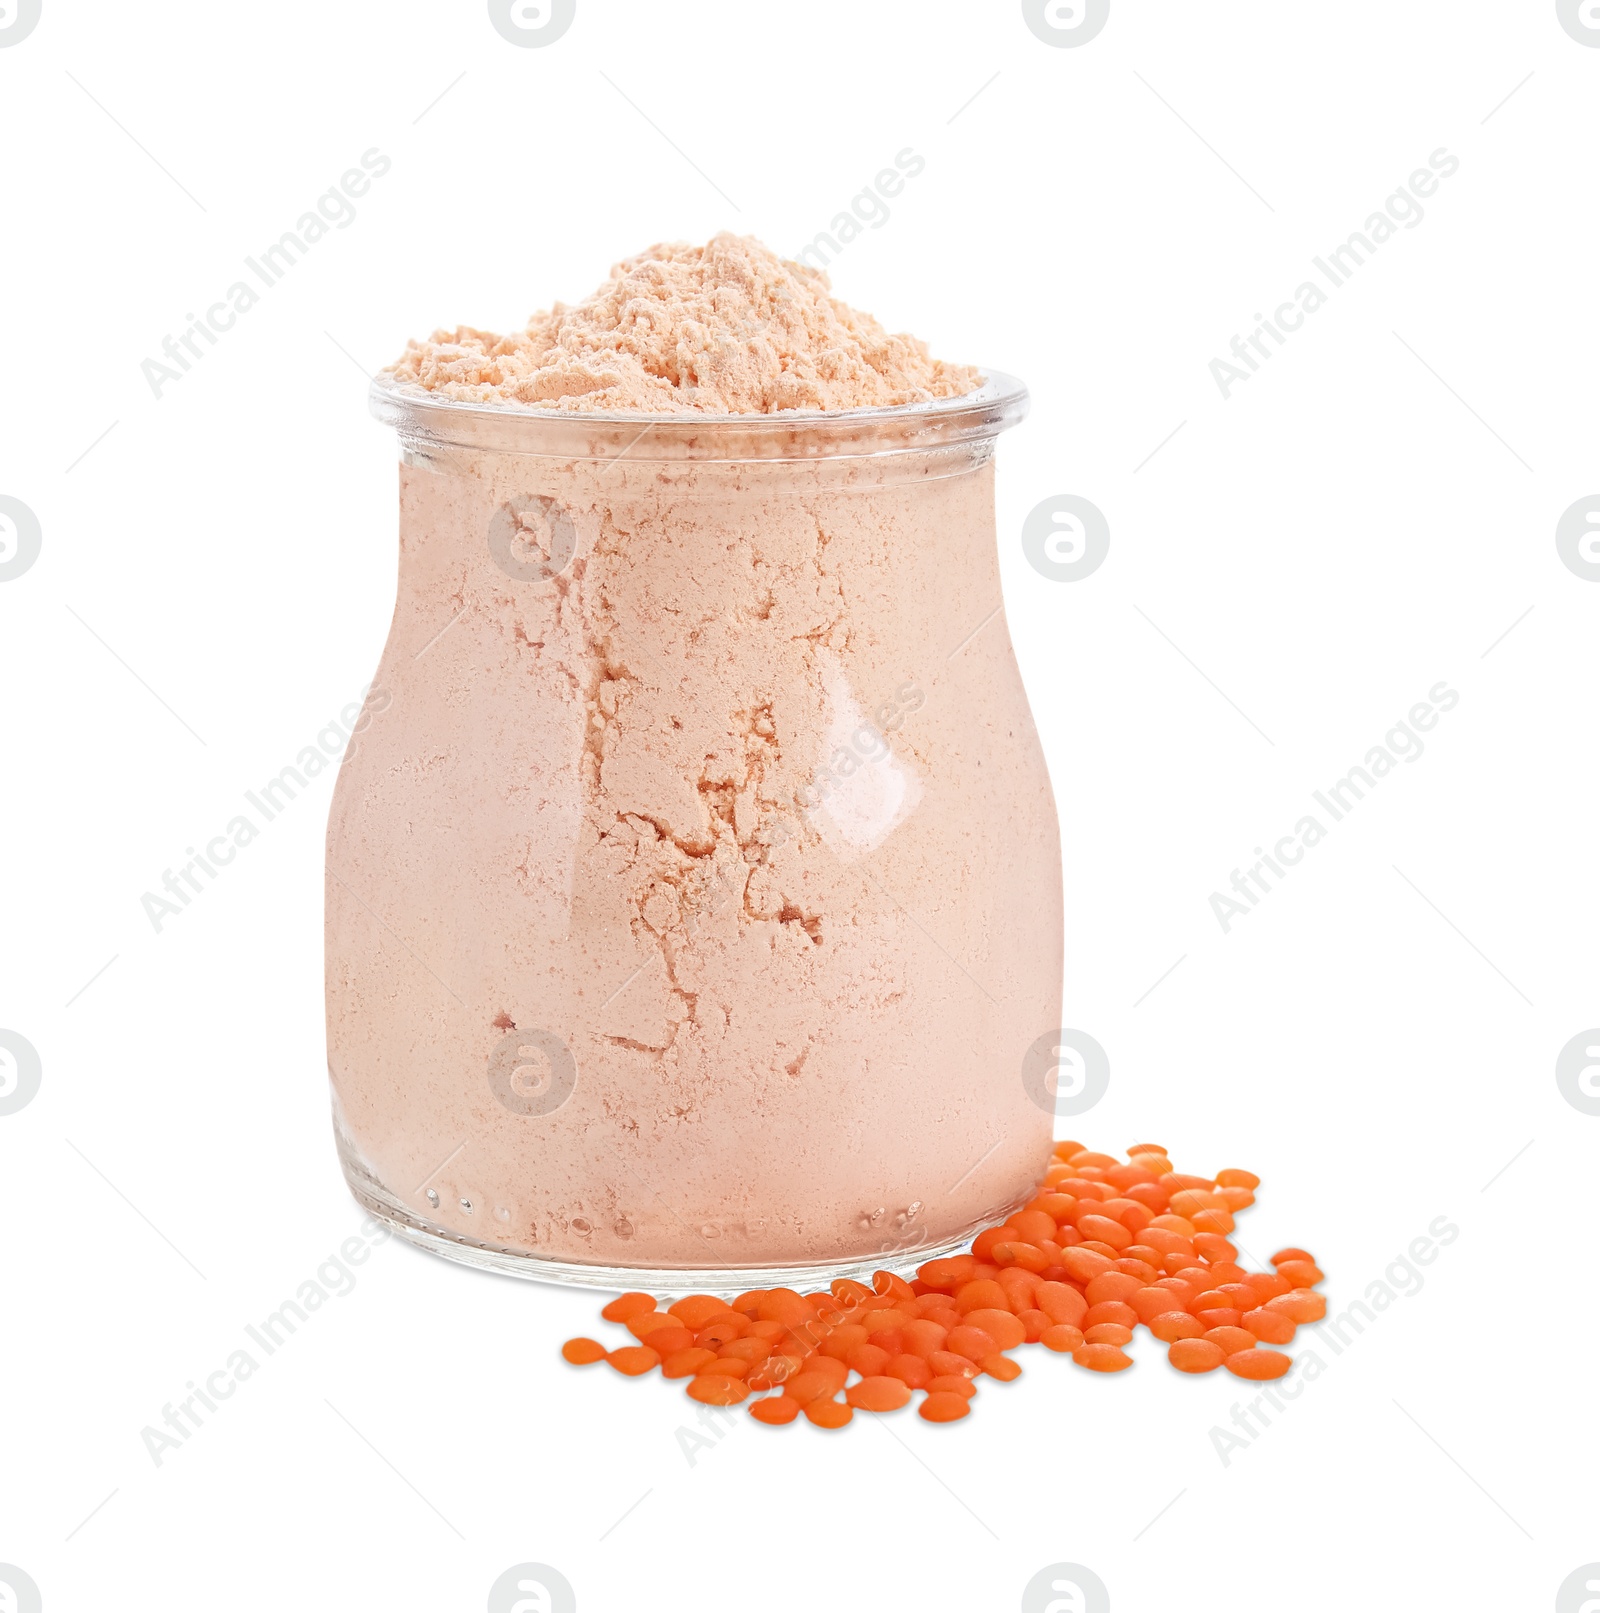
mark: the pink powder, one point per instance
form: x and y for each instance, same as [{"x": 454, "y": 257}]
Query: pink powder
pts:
[{"x": 727, "y": 328}]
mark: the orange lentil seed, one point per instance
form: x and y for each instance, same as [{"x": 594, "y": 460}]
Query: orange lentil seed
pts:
[
  {"x": 1231, "y": 1340},
  {"x": 1110, "y": 1310},
  {"x": 686, "y": 1363},
  {"x": 1034, "y": 1322},
  {"x": 1195, "y": 1355},
  {"x": 947, "y": 1364},
  {"x": 972, "y": 1342},
  {"x": 722, "y": 1331},
  {"x": 652, "y": 1321},
  {"x": 626, "y": 1306},
  {"x": 943, "y": 1407},
  {"x": 718, "y": 1389},
  {"x": 1271, "y": 1327},
  {"x": 665, "y": 1340},
  {"x": 583, "y": 1352},
  {"x": 1301, "y": 1305},
  {"x": 1258, "y": 1364},
  {"x": 828, "y": 1413},
  {"x": 878, "y": 1394},
  {"x": 1062, "y": 1337},
  {"x": 718, "y": 1368},
  {"x": 1102, "y": 1357},
  {"x": 694, "y": 1310},
  {"x": 1225, "y": 1317},
  {"x": 807, "y": 1386},
  {"x": 775, "y": 1409},
  {"x": 962, "y": 1386},
  {"x": 1006, "y": 1330},
  {"x": 1173, "y": 1325},
  {"x": 634, "y": 1359},
  {"x": 774, "y": 1372},
  {"x": 911, "y": 1370}
]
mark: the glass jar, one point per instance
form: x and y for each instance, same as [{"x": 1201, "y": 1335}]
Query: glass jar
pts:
[{"x": 694, "y": 885}]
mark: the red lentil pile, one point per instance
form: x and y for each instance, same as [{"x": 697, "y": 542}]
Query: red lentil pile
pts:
[{"x": 1102, "y": 1249}]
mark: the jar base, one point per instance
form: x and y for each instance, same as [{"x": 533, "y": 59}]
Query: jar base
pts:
[{"x": 728, "y": 1280}]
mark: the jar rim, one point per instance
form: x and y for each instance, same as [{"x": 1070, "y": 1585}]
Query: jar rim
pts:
[{"x": 424, "y": 417}]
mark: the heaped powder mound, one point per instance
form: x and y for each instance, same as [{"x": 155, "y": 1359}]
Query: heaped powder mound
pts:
[{"x": 724, "y": 328}]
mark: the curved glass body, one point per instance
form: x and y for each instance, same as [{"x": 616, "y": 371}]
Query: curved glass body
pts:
[{"x": 693, "y": 886}]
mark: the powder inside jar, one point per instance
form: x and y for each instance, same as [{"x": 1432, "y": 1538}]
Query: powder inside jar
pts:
[{"x": 696, "y": 901}]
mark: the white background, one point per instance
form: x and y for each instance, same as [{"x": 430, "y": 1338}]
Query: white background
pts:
[{"x": 1292, "y": 571}]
